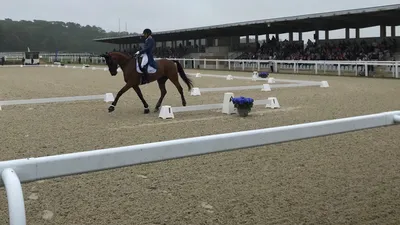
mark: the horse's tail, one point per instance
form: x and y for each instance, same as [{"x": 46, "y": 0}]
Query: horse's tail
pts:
[{"x": 183, "y": 75}]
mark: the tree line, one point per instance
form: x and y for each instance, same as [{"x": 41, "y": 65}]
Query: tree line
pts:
[{"x": 51, "y": 36}]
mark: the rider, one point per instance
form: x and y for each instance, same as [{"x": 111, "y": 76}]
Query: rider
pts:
[{"x": 149, "y": 45}]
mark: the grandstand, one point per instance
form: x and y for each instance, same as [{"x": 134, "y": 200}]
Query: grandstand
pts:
[{"x": 224, "y": 41}]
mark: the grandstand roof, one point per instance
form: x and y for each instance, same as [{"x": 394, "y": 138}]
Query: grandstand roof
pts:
[{"x": 356, "y": 18}]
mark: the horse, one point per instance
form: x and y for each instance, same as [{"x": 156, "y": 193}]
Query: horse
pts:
[{"x": 167, "y": 69}]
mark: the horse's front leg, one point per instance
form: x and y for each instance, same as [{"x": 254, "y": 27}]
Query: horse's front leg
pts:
[
  {"x": 119, "y": 94},
  {"x": 161, "y": 84},
  {"x": 140, "y": 95}
]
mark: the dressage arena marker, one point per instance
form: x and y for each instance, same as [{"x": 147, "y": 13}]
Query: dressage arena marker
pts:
[
  {"x": 167, "y": 112},
  {"x": 108, "y": 97},
  {"x": 271, "y": 80},
  {"x": 228, "y": 107},
  {"x": 324, "y": 84},
  {"x": 273, "y": 103},
  {"x": 255, "y": 76},
  {"x": 266, "y": 87},
  {"x": 195, "y": 92},
  {"x": 229, "y": 77}
]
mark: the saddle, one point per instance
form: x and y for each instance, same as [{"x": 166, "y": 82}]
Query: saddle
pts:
[
  {"x": 150, "y": 69},
  {"x": 147, "y": 68}
]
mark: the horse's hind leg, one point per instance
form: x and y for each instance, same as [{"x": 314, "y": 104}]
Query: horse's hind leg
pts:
[
  {"x": 180, "y": 89},
  {"x": 161, "y": 84},
  {"x": 140, "y": 95}
]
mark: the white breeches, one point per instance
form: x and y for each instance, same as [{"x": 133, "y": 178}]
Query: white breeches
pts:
[{"x": 145, "y": 59}]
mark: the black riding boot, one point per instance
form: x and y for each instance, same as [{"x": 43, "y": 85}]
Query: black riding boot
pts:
[{"x": 145, "y": 78}]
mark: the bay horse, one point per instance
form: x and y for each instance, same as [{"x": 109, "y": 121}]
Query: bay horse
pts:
[{"x": 166, "y": 69}]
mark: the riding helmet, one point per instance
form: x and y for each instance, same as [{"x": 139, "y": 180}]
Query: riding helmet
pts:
[{"x": 147, "y": 31}]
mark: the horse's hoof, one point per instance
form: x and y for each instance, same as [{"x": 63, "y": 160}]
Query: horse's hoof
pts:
[
  {"x": 111, "y": 108},
  {"x": 156, "y": 109},
  {"x": 146, "y": 111}
]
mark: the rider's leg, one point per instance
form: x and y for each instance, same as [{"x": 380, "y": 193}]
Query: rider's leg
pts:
[{"x": 144, "y": 66}]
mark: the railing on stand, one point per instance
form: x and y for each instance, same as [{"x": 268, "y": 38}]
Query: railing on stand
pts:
[{"x": 356, "y": 68}]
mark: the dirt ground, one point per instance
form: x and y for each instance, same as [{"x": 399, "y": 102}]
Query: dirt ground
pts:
[{"x": 349, "y": 178}]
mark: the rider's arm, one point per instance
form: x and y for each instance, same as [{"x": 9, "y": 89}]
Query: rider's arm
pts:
[{"x": 148, "y": 45}]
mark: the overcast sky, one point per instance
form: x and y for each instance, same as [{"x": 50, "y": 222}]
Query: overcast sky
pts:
[{"x": 173, "y": 14}]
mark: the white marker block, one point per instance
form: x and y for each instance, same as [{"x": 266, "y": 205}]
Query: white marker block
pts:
[
  {"x": 272, "y": 103},
  {"x": 166, "y": 112},
  {"x": 195, "y": 92},
  {"x": 266, "y": 87},
  {"x": 324, "y": 84},
  {"x": 227, "y": 105},
  {"x": 271, "y": 80},
  {"x": 108, "y": 97}
]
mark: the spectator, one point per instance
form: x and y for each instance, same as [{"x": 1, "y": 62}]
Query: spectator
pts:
[{"x": 328, "y": 50}]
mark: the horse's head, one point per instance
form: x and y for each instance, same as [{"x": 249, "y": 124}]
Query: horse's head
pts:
[{"x": 112, "y": 63}]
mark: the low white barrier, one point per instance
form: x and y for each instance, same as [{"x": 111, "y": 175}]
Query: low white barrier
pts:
[
  {"x": 364, "y": 68},
  {"x": 358, "y": 68},
  {"x": 108, "y": 97},
  {"x": 31, "y": 169}
]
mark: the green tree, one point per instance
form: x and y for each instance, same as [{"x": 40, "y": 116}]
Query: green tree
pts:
[{"x": 41, "y": 35}]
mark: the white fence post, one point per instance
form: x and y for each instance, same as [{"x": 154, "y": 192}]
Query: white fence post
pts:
[
  {"x": 397, "y": 70},
  {"x": 316, "y": 68},
  {"x": 339, "y": 69},
  {"x": 356, "y": 69}
]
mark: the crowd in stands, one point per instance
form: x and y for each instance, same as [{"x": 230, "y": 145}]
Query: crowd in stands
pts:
[
  {"x": 169, "y": 52},
  {"x": 382, "y": 49}
]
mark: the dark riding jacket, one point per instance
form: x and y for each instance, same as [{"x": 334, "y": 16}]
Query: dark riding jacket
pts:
[{"x": 149, "y": 45}]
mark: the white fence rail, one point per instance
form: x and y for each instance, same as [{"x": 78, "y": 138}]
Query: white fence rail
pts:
[
  {"x": 357, "y": 68},
  {"x": 31, "y": 169},
  {"x": 71, "y": 57}
]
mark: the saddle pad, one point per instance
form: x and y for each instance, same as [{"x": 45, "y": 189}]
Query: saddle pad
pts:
[{"x": 149, "y": 69}]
